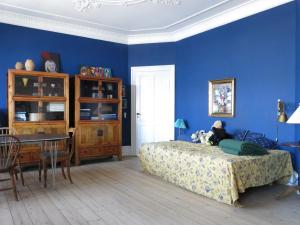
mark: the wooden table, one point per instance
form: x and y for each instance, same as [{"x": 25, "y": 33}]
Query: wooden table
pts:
[
  {"x": 297, "y": 146},
  {"x": 49, "y": 142}
]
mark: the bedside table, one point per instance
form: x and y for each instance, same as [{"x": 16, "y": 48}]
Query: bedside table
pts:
[{"x": 297, "y": 146}]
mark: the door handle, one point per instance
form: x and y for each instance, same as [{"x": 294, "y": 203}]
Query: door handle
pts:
[{"x": 138, "y": 115}]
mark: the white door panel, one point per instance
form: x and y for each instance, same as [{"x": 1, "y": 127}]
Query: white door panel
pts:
[{"x": 152, "y": 104}]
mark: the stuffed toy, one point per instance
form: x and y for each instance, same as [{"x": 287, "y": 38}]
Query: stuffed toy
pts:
[
  {"x": 198, "y": 136},
  {"x": 212, "y": 137},
  {"x": 201, "y": 137},
  {"x": 219, "y": 133}
]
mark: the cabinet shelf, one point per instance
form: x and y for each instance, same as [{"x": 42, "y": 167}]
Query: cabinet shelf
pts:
[
  {"x": 38, "y": 98},
  {"x": 98, "y": 100}
]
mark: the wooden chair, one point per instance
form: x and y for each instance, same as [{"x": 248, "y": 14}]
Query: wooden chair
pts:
[
  {"x": 9, "y": 151},
  {"x": 64, "y": 157},
  {"x": 12, "y": 131}
]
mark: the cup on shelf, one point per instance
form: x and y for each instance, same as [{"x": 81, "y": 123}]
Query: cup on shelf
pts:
[{"x": 94, "y": 95}]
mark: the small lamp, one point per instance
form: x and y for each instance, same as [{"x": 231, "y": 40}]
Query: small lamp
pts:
[
  {"x": 281, "y": 116},
  {"x": 180, "y": 124},
  {"x": 295, "y": 117}
]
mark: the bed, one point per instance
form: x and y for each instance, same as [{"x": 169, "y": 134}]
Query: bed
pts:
[{"x": 208, "y": 171}]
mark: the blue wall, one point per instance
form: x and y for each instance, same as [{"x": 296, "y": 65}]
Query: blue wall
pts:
[
  {"x": 151, "y": 54},
  {"x": 259, "y": 51},
  {"x": 19, "y": 43}
]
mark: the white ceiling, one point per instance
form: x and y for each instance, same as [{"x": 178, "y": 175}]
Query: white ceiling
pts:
[{"x": 143, "y": 23}]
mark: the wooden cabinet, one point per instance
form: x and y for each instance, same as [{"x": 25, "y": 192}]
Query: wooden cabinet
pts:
[
  {"x": 38, "y": 102},
  {"x": 98, "y": 117}
]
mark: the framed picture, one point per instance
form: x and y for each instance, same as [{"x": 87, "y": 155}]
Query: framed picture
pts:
[
  {"x": 221, "y": 98},
  {"x": 124, "y": 103},
  {"x": 50, "y": 62}
]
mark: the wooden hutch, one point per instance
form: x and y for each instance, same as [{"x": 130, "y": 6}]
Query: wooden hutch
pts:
[
  {"x": 38, "y": 102},
  {"x": 98, "y": 117}
]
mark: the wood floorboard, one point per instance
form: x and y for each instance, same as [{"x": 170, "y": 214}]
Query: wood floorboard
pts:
[{"x": 118, "y": 193}]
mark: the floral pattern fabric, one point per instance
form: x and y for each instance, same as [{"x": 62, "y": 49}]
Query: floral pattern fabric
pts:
[{"x": 208, "y": 171}]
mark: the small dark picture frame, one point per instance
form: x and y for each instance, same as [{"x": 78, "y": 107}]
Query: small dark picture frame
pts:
[{"x": 50, "y": 62}]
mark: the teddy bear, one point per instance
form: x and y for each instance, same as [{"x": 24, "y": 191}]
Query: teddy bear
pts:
[
  {"x": 213, "y": 137},
  {"x": 200, "y": 136}
]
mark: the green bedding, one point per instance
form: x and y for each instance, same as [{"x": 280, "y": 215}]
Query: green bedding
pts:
[{"x": 235, "y": 147}]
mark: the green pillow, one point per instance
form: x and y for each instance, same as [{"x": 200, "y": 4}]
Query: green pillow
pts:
[{"x": 236, "y": 147}]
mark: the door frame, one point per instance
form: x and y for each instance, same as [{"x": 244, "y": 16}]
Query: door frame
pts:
[{"x": 134, "y": 73}]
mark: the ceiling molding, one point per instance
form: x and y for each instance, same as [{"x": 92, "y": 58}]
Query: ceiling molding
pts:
[
  {"x": 181, "y": 21},
  {"x": 61, "y": 27},
  {"x": 249, "y": 8}
]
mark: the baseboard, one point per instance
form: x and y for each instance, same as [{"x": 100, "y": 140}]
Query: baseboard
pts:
[{"x": 127, "y": 151}]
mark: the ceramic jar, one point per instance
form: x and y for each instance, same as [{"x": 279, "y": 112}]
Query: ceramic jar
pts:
[
  {"x": 29, "y": 65},
  {"x": 19, "y": 66}
]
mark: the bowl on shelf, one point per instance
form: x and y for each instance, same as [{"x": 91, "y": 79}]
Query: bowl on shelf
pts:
[{"x": 36, "y": 116}]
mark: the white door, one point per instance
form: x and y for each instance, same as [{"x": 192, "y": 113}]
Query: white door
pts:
[{"x": 153, "y": 104}]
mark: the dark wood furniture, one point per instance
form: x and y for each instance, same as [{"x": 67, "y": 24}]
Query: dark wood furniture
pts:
[
  {"x": 63, "y": 157},
  {"x": 9, "y": 150},
  {"x": 98, "y": 117},
  {"x": 12, "y": 131},
  {"x": 38, "y": 102},
  {"x": 52, "y": 143}
]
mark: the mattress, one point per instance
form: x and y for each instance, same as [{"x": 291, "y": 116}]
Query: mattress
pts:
[{"x": 208, "y": 171}]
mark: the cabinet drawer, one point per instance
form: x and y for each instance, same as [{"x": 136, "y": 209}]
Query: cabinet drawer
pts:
[
  {"x": 99, "y": 151},
  {"x": 25, "y": 157},
  {"x": 95, "y": 135},
  {"x": 40, "y": 128}
]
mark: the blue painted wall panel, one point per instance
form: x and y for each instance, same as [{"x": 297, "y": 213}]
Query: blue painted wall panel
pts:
[
  {"x": 259, "y": 52},
  {"x": 19, "y": 43}
]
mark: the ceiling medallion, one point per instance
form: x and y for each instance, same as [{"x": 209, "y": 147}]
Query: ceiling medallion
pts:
[{"x": 82, "y": 5}]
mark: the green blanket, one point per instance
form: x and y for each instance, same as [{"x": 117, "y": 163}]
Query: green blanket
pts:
[{"x": 235, "y": 147}]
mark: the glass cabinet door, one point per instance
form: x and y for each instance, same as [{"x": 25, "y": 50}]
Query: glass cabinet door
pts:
[
  {"x": 27, "y": 111},
  {"x": 108, "y": 111},
  {"x": 98, "y": 111},
  {"x": 89, "y": 111},
  {"x": 53, "y": 86},
  {"x": 89, "y": 89},
  {"x": 109, "y": 90},
  {"x": 52, "y": 111},
  {"x": 27, "y": 85}
]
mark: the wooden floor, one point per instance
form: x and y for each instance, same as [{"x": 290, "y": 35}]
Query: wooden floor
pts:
[{"x": 114, "y": 192}]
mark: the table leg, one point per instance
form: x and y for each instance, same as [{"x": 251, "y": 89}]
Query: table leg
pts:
[
  {"x": 53, "y": 157},
  {"x": 55, "y": 161}
]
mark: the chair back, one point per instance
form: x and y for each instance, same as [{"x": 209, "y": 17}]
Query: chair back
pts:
[
  {"x": 71, "y": 132},
  {"x": 7, "y": 131},
  {"x": 9, "y": 151}
]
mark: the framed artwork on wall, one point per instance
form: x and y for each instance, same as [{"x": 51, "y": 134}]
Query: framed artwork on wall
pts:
[
  {"x": 50, "y": 62},
  {"x": 221, "y": 98}
]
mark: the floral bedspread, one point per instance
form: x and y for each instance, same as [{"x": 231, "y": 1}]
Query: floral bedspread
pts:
[{"x": 208, "y": 171}]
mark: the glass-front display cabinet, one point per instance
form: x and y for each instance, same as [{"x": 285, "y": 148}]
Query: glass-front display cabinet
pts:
[
  {"x": 38, "y": 102},
  {"x": 98, "y": 116}
]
